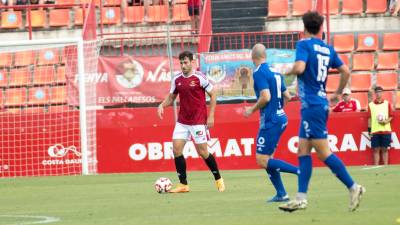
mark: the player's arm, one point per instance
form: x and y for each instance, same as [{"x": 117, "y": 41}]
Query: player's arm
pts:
[
  {"x": 213, "y": 104},
  {"x": 297, "y": 69},
  {"x": 265, "y": 97},
  {"x": 286, "y": 97},
  {"x": 167, "y": 101}
]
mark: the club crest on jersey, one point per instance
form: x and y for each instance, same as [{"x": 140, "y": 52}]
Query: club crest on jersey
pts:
[
  {"x": 199, "y": 133},
  {"x": 192, "y": 83}
]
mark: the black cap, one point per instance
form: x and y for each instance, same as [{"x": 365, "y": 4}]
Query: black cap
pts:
[{"x": 378, "y": 89}]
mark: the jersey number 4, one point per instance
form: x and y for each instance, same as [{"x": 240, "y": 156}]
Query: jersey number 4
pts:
[{"x": 323, "y": 62}]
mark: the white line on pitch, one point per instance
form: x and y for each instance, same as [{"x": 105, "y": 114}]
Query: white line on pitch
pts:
[
  {"x": 42, "y": 219},
  {"x": 372, "y": 167}
]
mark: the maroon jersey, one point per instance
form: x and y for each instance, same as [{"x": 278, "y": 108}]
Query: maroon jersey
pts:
[{"x": 192, "y": 95}]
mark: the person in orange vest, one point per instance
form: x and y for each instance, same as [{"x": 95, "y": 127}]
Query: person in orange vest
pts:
[{"x": 380, "y": 116}]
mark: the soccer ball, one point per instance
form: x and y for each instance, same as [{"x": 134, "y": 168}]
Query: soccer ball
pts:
[
  {"x": 163, "y": 185},
  {"x": 380, "y": 117}
]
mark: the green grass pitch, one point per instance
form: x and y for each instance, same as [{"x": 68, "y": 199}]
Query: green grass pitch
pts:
[{"x": 124, "y": 199}]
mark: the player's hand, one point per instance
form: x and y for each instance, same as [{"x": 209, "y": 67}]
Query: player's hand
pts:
[
  {"x": 160, "y": 111},
  {"x": 247, "y": 111},
  {"x": 210, "y": 121},
  {"x": 334, "y": 99}
]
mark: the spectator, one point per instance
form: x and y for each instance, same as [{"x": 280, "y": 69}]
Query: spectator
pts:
[
  {"x": 380, "y": 116},
  {"x": 347, "y": 104},
  {"x": 395, "y": 6},
  {"x": 194, "y": 12}
]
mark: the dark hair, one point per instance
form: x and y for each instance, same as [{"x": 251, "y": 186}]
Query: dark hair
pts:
[
  {"x": 185, "y": 54},
  {"x": 378, "y": 88},
  {"x": 312, "y": 21}
]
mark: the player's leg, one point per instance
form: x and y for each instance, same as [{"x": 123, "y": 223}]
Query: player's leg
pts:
[
  {"x": 267, "y": 141},
  {"x": 386, "y": 140},
  {"x": 200, "y": 136},
  {"x": 180, "y": 135},
  {"x": 376, "y": 149}
]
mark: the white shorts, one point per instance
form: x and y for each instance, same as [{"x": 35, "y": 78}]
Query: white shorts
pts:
[{"x": 199, "y": 133}]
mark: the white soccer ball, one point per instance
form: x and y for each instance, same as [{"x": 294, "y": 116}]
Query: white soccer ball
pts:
[
  {"x": 163, "y": 185},
  {"x": 380, "y": 117}
]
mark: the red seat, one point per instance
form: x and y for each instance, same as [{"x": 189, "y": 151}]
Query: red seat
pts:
[
  {"x": 376, "y": 6},
  {"x": 391, "y": 41},
  {"x": 333, "y": 7},
  {"x": 11, "y": 19},
  {"x": 300, "y": 7},
  {"x": 332, "y": 82},
  {"x": 360, "y": 82},
  {"x": 58, "y": 108},
  {"x": 1, "y": 100},
  {"x": 38, "y": 18},
  {"x": 24, "y": 58},
  {"x": 278, "y": 8},
  {"x": 157, "y": 13},
  {"x": 352, "y": 7},
  {"x": 60, "y": 75},
  {"x": 59, "y": 2},
  {"x": 58, "y": 94},
  {"x": 15, "y": 97},
  {"x": 343, "y": 42},
  {"x": 362, "y": 97},
  {"x": 180, "y": 13},
  {"x": 59, "y": 17},
  {"x": 363, "y": 61},
  {"x": 388, "y": 96},
  {"x": 388, "y": 61},
  {"x": 134, "y": 14},
  {"x": 43, "y": 75},
  {"x": 38, "y": 95},
  {"x": 79, "y": 16},
  {"x": 6, "y": 59},
  {"x": 20, "y": 77},
  {"x": 397, "y": 99},
  {"x": 367, "y": 42},
  {"x": 111, "y": 15},
  {"x": 388, "y": 80},
  {"x": 3, "y": 78},
  {"x": 48, "y": 56}
]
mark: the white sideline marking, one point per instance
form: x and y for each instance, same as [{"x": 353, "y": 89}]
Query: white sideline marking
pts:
[
  {"x": 372, "y": 167},
  {"x": 42, "y": 219}
]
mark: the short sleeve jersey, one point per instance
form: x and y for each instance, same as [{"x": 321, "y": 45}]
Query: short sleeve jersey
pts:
[
  {"x": 192, "y": 96},
  {"x": 266, "y": 79},
  {"x": 319, "y": 57}
]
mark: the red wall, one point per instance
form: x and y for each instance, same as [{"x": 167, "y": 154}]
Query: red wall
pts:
[{"x": 136, "y": 140}]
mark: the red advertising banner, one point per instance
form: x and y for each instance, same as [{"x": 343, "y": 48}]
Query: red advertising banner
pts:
[
  {"x": 128, "y": 79},
  {"x": 135, "y": 140}
]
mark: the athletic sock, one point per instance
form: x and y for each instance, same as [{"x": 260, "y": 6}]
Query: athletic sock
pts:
[
  {"x": 180, "y": 165},
  {"x": 305, "y": 168},
  {"x": 337, "y": 167},
  {"x": 212, "y": 165},
  {"x": 276, "y": 180},
  {"x": 281, "y": 166}
]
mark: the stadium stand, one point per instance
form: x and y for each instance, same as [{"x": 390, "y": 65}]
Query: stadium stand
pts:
[
  {"x": 362, "y": 97},
  {"x": 19, "y": 77},
  {"x": 301, "y": 6},
  {"x": 58, "y": 94},
  {"x": 15, "y": 97},
  {"x": 24, "y": 58},
  {"x": 397, "y": 99},
  {"x": 387, "y": 80},
  {"x": 391, "y": 41},
  {"x": 59, "y": 17},
  {"x": 38, "y": 95},
  {"x": 111, "y": 15},
  {"x": 388, "y": 61},
  {"x": 157, "y": 13},
  {"x": 376, "y": 6},
  {"x": 134, "y": 14},
  {"x": 38, "y": 18},
  {"x": 333, "y": 82},
  {"x": 43, "y": 75},
  {"x": 5, "y": 59},
  {"x": 11, "y": 19},
  {"x": 333, "y": 7},
  {"x": 180, "y": 12},
  {"x": 48, "y": 57}
]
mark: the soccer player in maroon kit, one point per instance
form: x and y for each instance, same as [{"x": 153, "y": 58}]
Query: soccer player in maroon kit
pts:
[{"x": 192, "y": 121}]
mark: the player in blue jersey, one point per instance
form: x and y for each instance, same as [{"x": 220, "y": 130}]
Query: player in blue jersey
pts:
[
  {"x": 271, "y": 96},
  {"x": 313, "y": 59}
]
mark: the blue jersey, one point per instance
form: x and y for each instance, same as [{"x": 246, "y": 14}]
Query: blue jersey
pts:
[
  {"x": 319, "y": 57},
  {"x": 273, "y": 112}
]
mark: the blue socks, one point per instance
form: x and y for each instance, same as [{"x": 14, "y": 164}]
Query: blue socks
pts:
[
  {"x": 281, "y": 166},
  {"x": 275, "y": 166},
  {"x": 337, "y": 167},
  {"x": 276, "y": 180},
  {"x": 305, "y": 167}
]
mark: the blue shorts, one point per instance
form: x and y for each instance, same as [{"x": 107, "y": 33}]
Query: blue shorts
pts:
[
  {"x": 381, "y": 140},
  {"x": 267, "y": 139},
  {"x": 313, "y": 122}
]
